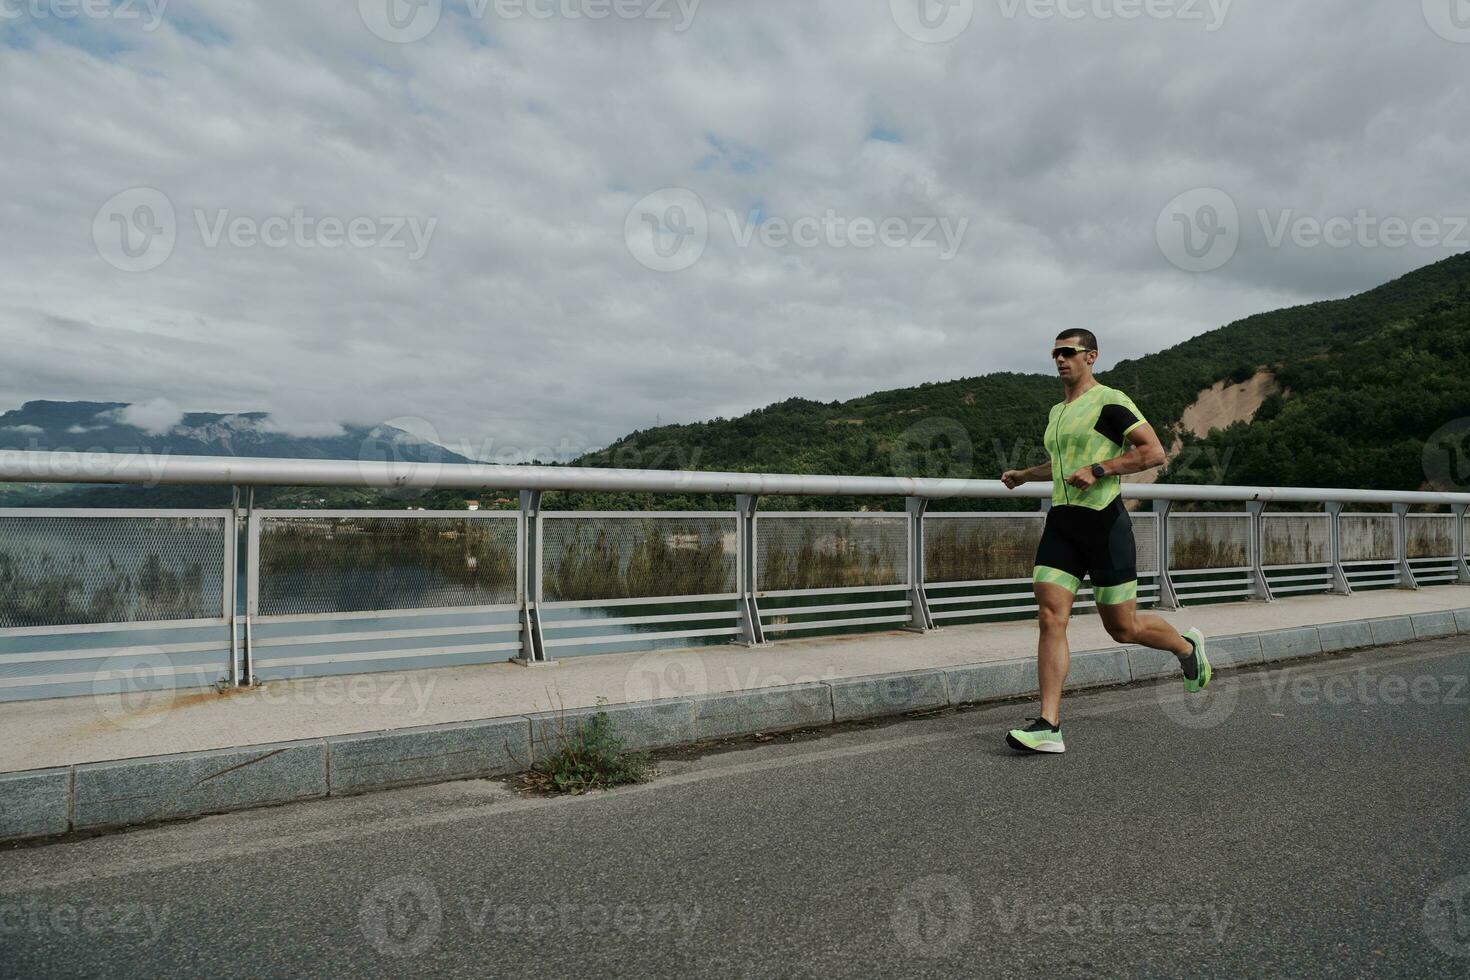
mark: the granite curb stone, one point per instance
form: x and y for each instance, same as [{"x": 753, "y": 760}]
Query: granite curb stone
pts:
[
  {"x": 888, "y": 694},
  {"x": 35, "y": 803},
  {"x": 1098, "y": 668},
  {"x": 1434, "y": 624},
  {"x": 112, "y": 794},
  {"x": 1392, "y": 629},
  {"x": 771, "y": 709},
  {"x": 1290, "y": 644},
  {"x": 1345, "y": 636},
  {"x": 380, "y": 760},
  {"x": 991, "y": 682}
]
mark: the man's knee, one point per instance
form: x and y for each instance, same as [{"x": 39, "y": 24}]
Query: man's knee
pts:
[{"x": 1054, "y": 619}]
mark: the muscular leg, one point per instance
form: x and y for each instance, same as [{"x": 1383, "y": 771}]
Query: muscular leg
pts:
[
  {"x": 1052, "y": 656},
  {"x": 1126, "y": 626}
]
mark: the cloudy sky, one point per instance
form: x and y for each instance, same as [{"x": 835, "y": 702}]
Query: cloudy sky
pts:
[{"x": 536, "y": 225}]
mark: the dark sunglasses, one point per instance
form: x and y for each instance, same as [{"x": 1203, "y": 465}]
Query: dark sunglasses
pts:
[{"x": 1069, "y": 352}]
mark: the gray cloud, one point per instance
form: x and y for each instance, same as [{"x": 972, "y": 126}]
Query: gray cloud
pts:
[{"x": 528, "y": 324}]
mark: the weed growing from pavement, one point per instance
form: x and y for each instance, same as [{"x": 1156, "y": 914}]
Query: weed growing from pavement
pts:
[{"x": 589, "y": 755}]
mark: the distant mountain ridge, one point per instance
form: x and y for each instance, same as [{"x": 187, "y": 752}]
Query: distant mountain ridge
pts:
[
  {"x": 86, "y": 426},
  {"x": 98, "y": 427}
]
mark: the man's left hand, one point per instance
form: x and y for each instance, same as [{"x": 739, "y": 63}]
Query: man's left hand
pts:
[{"x": 1082, "y": 479}]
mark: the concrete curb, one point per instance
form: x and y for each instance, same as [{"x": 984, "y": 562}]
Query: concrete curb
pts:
[{"x": 103, "y": 795}]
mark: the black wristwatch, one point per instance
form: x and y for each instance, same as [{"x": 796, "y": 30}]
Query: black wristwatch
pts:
[{"x": 1098, "y": 471}]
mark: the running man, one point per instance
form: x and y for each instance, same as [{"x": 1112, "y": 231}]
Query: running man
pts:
[{"x": 1088, "y": 532}]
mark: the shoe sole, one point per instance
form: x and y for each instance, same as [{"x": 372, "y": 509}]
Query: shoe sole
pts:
[{"x": 1021, "y": 746}]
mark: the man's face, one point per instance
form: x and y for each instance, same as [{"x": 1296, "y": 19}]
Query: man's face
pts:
[{"x": 1071, "y": 367}]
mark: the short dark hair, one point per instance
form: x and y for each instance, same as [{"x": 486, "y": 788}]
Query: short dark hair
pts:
[{"x": 1089, "y": 340}]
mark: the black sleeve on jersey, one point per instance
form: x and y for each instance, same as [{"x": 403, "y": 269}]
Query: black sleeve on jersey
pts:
[{"x": 1113, "y": 421}]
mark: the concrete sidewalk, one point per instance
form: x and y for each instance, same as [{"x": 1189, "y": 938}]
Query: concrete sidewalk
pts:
[{"x": 78, "y": 763}]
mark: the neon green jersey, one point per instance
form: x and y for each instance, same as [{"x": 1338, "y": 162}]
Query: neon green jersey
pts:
[{"x": 1090, "y": 429}]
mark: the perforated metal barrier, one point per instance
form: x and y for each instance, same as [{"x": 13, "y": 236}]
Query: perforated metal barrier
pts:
[
  {"x": 336, "y": 592},
  {"x": 93, "y": 600},
  {"x": 99, "y": 601}
]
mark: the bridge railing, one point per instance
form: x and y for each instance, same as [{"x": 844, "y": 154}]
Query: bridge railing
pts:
[{"x": 89, "y": 599}]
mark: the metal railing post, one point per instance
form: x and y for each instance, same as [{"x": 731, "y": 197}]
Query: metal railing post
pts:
[
  {"x": 1340, "y": 584},
  {"x": 1462, "y": 542},
  {"x": 533, "y": 641},
  {"x": 1401, "y": 547},
  {"x": 252, "y": 589},
  {"x": 231, "y": 598},
  {"x": 1259, "y": 586},
  {"x": 1168, "y": 598},
  {"x": 920, "y": 621},
  {"x": 751, "y": 633}
]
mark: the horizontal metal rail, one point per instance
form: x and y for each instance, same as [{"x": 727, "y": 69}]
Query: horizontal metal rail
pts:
[{"x": 157, "y": 469}]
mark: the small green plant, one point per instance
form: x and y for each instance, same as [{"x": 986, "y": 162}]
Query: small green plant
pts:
[{"x": 589, "y": 755}]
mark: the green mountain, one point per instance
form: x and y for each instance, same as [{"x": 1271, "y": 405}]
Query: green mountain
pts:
[{"x": 1366, "y": 382}]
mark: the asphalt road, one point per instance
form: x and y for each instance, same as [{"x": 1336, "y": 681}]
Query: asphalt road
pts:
[{"x": 1312, "y": 821}]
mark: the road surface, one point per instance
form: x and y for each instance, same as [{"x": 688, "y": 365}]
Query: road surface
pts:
[{"x": 1313, "y": 821}]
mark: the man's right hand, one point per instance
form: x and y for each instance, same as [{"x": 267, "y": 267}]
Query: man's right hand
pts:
[{"x": 1013, "y": 478}]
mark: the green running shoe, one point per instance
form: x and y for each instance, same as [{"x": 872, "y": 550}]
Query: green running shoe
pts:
[
  {"x": 1202, "y": 675},
  {"x": 1039, "y": 736}
]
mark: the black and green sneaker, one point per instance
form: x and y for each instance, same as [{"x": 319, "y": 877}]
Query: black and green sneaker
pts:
[
  {"x": 1039, "y": 736},
  {"x": 1201, "y": 663}
]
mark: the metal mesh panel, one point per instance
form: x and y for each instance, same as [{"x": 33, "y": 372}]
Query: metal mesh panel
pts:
[
  {"x": 1146, "y": 541},
  {"x": 585, "y": 558},
  {"x": 1198, "y": 541},
  {"x": 70, "y": 571},
  {"x": 1296, "y": 539},
  {"x": 830, "y": 552},
  {"x": 315, "y": 565},
  {"x": 972, "y": 549},
  {"x": 1431, "y": 536},
  {"x": 1367, "y": 537}
]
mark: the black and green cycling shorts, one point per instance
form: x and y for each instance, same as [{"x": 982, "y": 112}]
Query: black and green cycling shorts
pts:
[{"x": 1080, "y": 541}]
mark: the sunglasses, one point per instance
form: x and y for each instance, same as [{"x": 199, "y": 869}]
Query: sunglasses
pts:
[{"x": 1069, "y": 352}]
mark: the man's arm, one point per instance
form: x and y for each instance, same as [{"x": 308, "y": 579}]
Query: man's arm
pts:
[
  {"x": 1014, "y": 478},
  {"x": 1147, "y": 453}
]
